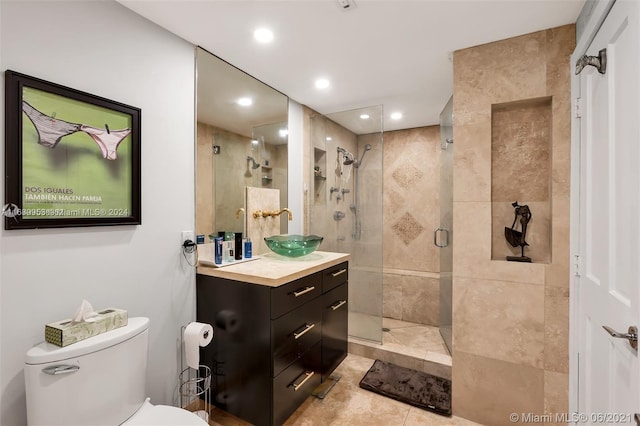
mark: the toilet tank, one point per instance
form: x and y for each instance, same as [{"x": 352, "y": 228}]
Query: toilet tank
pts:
[{"x": 98, "y": 381}]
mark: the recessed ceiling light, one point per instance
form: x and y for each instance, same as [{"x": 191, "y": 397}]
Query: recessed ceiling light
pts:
[
  {"x": 396, "y": 116},
  {"x": 328, "y": 138},
  {"x": 364, "y": 116},
  {"x": 245, "y": 101},
  {"x": 263, "y": 35},
  {"x": 322, "y": 83},
  {"x": 283, "y": 133}
]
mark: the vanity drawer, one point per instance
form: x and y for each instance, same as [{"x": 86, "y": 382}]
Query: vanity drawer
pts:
[
  {"x": 295, "y": 384},
  {"x": 294, "y": 333},
  {"x": 335, "y": 317},
  {"x": 296, "y": 293},
  {"x": 334, "y": 276}
]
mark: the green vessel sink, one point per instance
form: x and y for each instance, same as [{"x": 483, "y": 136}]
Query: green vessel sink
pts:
[{"x": 293, "y": 245}]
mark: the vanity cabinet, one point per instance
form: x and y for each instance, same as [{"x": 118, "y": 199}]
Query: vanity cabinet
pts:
[{"x": 273, "y": 345}]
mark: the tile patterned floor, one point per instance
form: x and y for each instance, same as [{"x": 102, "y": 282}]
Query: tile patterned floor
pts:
[{"x": 348, "y": 404}]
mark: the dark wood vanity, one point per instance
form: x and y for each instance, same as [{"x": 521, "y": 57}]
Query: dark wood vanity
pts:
[{"x": 280, "y": 329}]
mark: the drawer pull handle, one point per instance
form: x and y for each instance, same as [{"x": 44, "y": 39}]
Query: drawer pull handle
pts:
[
  {"x": 307, "y": 374},
  {"x": 299, "y": 293},
  {"x": 54, "y": 370},
  {"x": 340, "y": 272},
  {"x": 307, "y": 327},
  {"x": 337, "y": 305}
]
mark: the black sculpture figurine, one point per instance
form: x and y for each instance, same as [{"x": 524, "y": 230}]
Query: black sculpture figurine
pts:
[{"x": 516, "y": 238}]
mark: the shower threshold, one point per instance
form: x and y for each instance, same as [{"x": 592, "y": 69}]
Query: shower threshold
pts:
[{"x": 407, "y": 344}]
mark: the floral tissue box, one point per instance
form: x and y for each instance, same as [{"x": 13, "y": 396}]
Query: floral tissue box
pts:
[{"x": 63, "y": 333}]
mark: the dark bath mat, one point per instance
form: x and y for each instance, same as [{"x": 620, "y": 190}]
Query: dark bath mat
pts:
[{"x": 410, "y": 386}]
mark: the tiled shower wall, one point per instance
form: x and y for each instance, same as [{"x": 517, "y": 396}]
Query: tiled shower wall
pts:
[
  {"x": 411, "y": 284},
  {"x": 411, "y": 212},
  {"x": 510, "y": 320}
]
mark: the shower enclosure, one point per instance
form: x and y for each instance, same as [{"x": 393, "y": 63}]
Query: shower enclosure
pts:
[
  {"x": 444, "y": 234},
  {"x": 346, "y": 206}
]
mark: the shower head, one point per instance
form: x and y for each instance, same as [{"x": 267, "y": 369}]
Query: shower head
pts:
[
  {"x": 255, "y": 164},
  {"x": 348, "y": 159},
  {"x": 358, "y": 163}
]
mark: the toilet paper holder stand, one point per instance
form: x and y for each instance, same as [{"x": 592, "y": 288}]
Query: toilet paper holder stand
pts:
[{"x": 195, "y": 386}]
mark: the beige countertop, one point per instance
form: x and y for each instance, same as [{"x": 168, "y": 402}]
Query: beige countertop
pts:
[{"x": 274, "y": 270}]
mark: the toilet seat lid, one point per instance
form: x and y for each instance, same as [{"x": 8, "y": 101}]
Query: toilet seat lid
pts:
[{"x": 164, "y": 415}]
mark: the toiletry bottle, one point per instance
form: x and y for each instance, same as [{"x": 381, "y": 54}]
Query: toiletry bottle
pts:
[
  {"x": 218, "y": 250},
  {"x": 238, "y": 238},
  {"x": 247, "y": 248},
  {"x": 228, "y": 251}
]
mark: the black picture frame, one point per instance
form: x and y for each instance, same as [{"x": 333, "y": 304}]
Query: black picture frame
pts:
[{"x": 65, "y": 166}]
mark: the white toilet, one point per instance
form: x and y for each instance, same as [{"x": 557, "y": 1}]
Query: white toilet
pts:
[{"x": 97, "y": 381}]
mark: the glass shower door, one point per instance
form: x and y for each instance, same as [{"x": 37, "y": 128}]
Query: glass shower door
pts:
[
  {"x": 346, "y": 206},
  {"x": 444, "y": 234}
]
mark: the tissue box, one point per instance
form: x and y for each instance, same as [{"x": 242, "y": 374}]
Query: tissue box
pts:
[{"x": 63, "y": 333}]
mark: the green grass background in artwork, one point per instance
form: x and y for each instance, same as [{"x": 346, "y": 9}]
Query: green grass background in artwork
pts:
[{"x": 76, "y": 162}]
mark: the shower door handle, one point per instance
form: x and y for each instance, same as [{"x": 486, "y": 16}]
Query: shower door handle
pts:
[{"x": 435, "y": 237}]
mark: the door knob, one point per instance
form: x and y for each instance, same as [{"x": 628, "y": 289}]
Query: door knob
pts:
[{"x": 631, "y": 335}]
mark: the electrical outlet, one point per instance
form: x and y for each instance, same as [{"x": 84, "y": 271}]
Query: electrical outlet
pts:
[{"x": 187, "y": 235}]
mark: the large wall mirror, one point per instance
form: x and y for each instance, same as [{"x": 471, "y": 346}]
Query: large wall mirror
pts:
[{"x": 241, "y": 142}]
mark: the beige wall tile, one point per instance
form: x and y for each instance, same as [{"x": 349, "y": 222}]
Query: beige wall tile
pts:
[
  {"x": 556, "y": 395},
  {"x": 472, "y": 162},
  {"x": 392, "y": 296},
  {"x": 472, "y": 234},
  {"x": 499, "y": 320},
  {"x": 487, "y": 388},
  {"x": 411, "y": 198},
  {"x": 556, "y": 329},
  {"x": 421, "y": 300},
  {"x": 520, "y": 150},
  {"x": 487, "y": 391},
  {"x": 560, "y": 229}
]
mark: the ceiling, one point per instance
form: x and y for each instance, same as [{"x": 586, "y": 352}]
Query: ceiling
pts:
[{"x": 393, "y": 53}]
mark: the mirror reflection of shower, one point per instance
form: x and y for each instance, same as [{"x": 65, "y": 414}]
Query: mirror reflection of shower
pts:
[{"x": 252, "y": 164}]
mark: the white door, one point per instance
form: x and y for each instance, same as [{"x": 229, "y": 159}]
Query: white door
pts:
[{"x": 609, "y": 295}]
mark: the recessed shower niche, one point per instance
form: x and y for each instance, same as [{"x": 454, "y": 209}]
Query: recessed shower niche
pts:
[{"x": 521, "y": 171}]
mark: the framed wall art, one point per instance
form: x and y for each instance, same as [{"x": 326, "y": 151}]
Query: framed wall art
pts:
[{"x": 71, "y": 158}]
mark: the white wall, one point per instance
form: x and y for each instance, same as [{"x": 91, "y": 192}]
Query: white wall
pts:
[{"x": 104, "y": 49}]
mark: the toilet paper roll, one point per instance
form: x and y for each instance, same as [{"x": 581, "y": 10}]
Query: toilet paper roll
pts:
[{"x": 196, "y": 335}]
